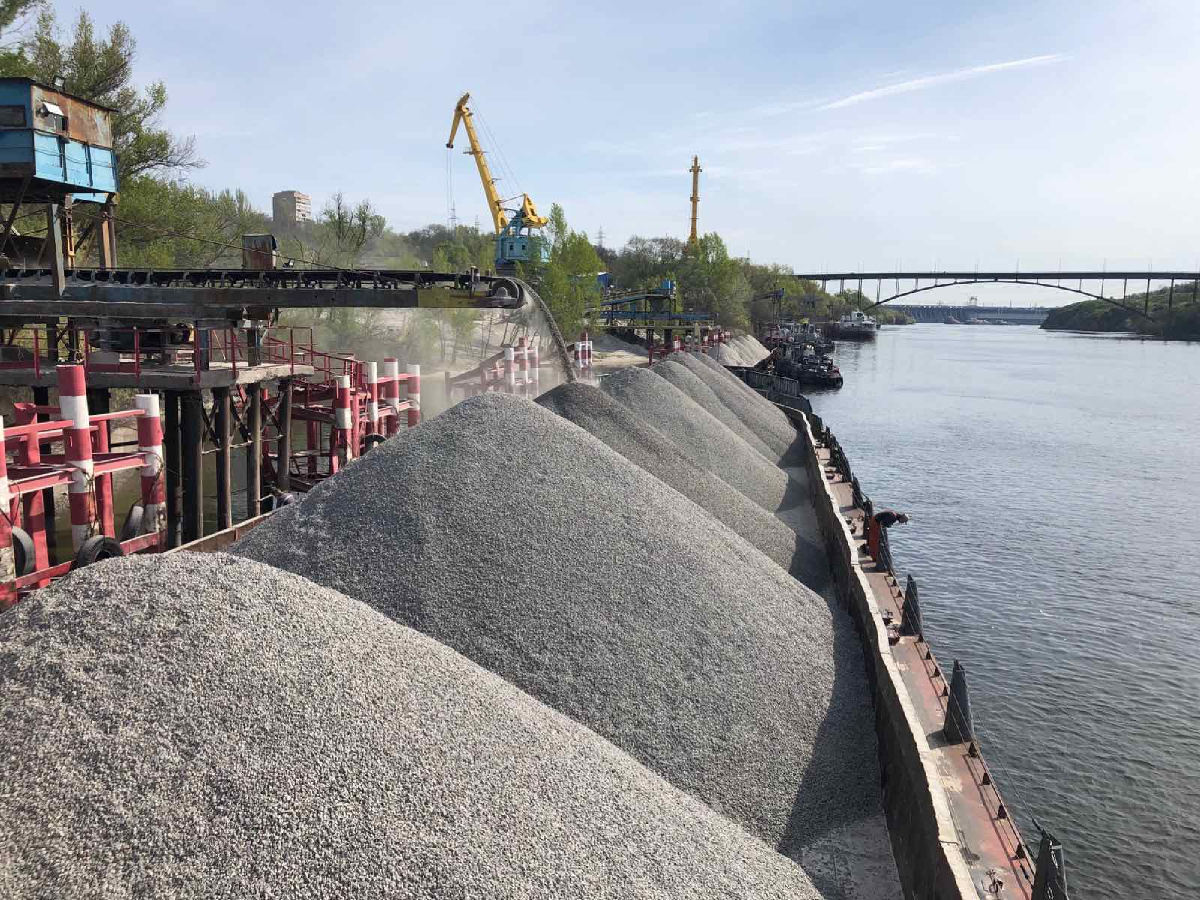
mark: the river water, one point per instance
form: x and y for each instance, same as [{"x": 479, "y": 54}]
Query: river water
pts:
[{"x": 1054, "y": 486}]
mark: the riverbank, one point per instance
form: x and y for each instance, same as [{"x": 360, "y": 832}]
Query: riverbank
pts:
[{"x": 1178, "y": 322}]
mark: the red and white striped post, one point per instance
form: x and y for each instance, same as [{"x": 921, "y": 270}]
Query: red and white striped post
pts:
[
  {"x": 510, "y": 370},
  {"x": 523, "y": 360},
  {"x": 150, "y": 445},
  {"x": 391, "y": 371},
  {"x": 578, "y": 354},
  {"x": 373, "y": 398},
  {"x": 8, "y": 559},
  {"x": 77, "y": 439},
  {"x": 342, "y": 418},
  {"x": 413, "y": 370}
]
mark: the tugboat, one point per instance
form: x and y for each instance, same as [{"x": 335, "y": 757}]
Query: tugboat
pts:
[
  {"x": 800, "y": 362},
  {"x": 855, "y": 326}
]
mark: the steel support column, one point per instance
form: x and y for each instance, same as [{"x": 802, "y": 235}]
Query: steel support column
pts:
[
  {"x": 191, "y": 413},
  {"x": 98, "y": 403},
  {"x": 254, "y": 452},
  {"x": 41, "y": 396},
  {"x": 174, "y": 465},
  {"x": 283, "y": 448},
  {"x": 221, "y": 419},
  {"x": 54, "y": 246}
]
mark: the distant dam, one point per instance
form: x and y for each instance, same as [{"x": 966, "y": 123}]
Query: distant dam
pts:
[{"x": 1018, "y": 315}]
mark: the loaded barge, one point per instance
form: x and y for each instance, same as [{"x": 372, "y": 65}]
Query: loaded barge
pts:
[{"x": 952, "y": 833}]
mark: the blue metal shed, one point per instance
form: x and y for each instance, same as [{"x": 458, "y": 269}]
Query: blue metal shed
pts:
[{"x": 61, "y": 143}]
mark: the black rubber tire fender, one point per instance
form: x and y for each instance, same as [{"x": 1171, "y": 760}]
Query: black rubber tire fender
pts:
[
  {"x": 95, "y": 549},
  {"x": 24, "y": 560},
  {"x": 133, "y": 522}
]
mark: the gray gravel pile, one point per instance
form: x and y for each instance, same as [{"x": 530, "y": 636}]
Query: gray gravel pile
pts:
[
  {"x": 730, "y": 355},
  {"x": 200, "y": 725},
  {"x": 751, "y": 348},
  {"x": 699, "y": 435},
  {"x": 760, "y": 416},
  {"x": 677, "y": 372},
  {"x": 645, "y": 446},
  {"x": 518, "y": 539}
]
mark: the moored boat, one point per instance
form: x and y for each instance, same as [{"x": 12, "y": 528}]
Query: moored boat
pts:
[{"x": 855, "y": 326}]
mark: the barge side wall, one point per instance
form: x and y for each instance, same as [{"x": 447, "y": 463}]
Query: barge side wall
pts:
[{"x": 924, "y": 840}]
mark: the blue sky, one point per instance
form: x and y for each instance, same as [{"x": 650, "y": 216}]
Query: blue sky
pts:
[{"x": 833, "y": 135}]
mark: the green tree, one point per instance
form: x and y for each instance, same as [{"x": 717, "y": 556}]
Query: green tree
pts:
[
  {"x": 568, "y": 281},
  {"x": 100, "y": 69}
]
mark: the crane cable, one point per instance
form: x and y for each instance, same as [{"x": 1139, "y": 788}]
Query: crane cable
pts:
[{"x": 506, "y": 169}]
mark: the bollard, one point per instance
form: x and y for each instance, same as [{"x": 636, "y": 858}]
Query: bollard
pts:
[
  {"x": 578, "y": 352},
  {"x": 373, "y": 398},
  {"x": 414, "y": 394},
  {"x": 391, "y": 371},
  {"x": 958, "y": 727},
  {"x": 1050, "y": 880},
  {"x": 77, "y": 441},
  {"x": 150, "y": 444},
  {"x": 342, "y": 417},
  {"x": 587, "y": 351},
  {"x": 910, "y": 620}
]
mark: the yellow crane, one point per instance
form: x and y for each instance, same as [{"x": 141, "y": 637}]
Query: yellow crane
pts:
[{"x": 513, "y": 232}]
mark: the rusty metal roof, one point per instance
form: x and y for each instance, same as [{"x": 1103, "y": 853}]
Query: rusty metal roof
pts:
[{"x": 14, "y": 79}]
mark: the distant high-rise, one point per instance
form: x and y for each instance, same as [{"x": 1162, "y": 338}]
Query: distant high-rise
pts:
[{"x": 290, "y": 207}]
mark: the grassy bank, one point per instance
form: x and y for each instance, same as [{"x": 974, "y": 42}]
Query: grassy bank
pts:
[{"x": 1176, "y": 318}]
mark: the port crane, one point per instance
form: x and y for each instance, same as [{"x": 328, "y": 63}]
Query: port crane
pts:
[{"x": 514, "y": 227}]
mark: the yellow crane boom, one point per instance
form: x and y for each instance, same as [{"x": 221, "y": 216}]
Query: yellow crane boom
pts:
[
  {"x": 528, "y": 213},
  {"x": 462, "y": 113}
]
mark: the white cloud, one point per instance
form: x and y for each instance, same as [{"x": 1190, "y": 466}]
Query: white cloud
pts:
[{"x": 920, "y": 84}]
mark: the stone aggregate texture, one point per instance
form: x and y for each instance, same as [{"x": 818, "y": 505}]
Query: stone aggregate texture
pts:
[
  {"x": 730, "y": 355},
  {"x": 648, "y": 448},
  {"x": 682, "y": 377},
  {"x": 202, "y": 726},
  {"x": 751, "y": 348},
  {"x": 518, "y": 539},
  {"x": 699, "y": 434},
  {"x": 760, "y": 415}
]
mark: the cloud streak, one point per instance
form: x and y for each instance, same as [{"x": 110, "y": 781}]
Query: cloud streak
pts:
[{"x": 929, "y": 81}]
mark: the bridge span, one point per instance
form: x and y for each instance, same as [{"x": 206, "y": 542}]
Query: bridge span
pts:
[{"x": 1111, "y": 287}]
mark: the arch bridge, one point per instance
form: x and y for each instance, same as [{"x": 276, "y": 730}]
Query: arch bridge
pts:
[{"x": 1089, "y": 284}]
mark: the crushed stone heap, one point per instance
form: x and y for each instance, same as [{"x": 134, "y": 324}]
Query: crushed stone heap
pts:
[
  {"x": 642, "y": 444},
  {"x": 195, "y": 726},
  {"x": 682, "y": 377},
  {"x": 757, "y": 413},
  {"x": 700, "y": 435},
  {"x": 518, "y": 539}
]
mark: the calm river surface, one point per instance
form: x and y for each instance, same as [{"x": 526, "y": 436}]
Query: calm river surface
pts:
[{"x": 1054, "y": 488}]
